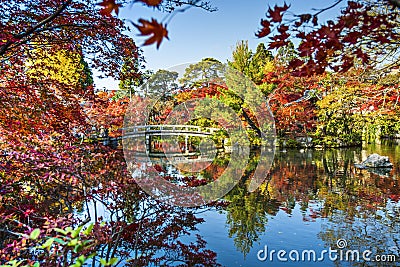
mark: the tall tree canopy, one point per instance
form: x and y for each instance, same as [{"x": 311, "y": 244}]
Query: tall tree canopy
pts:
[
  {"x": 202, "y": 72},
  {"x": 161, "y": 84},
  {"x": 40, "y": 104},
  {"x": 260, "y": 61},
  {"x": 241, "y": 57},
  {"x": 253, "y": 65},
  {"x": 59, "y": 25}
]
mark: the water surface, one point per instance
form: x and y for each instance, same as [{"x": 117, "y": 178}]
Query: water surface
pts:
[{"x": 310, "y": 200}]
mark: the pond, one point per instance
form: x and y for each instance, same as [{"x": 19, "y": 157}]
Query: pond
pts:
[
  {"x": 314, "y": 208},
  {"x": 311, "y": 201}
]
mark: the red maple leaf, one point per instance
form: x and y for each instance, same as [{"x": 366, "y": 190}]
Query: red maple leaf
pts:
[
  {"x": 150, "y": 2},
  {"x": 347, "y": 63},
  {"x": 382, "y": 39},
  {"x": 354, "y": 5},
  {"x": 307, "y": 48},
  {"x": 283, "y": 8},
  {"x": 352, "y": 37},
  {"x": 282, "y": 29},
  {"x": 277, "y": 13},
  {"x": 158, "y": 168},
  {"x": 363, "y": 56},
  {"x": 108, "y": 7},
  {"x": 295, "y": 63},
  {"x": 277, "y": 44},
  {"x": 157, "y": 30},
  {"x": 266, "y": 29}
]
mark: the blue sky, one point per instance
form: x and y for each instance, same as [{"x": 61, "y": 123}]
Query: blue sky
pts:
[{"x": 196, "y": 34}]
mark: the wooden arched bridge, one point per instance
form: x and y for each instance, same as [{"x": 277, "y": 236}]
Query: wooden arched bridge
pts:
[
  {"x": 148, "y": 131},
  {"x": 168, "y": 130}
]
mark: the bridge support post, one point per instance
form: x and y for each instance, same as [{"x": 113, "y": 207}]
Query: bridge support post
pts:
[
  {"x": 186, "y": 144},
  {"x": 148, "y": 144}
]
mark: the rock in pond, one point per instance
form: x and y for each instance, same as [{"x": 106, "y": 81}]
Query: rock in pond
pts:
[{"x": 375, "y": 161}]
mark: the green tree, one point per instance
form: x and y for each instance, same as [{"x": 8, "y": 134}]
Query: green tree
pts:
[
  {"x": 200, "y": 74},
  {"x": 127, "y": 82},
  {"x": 235, "y": 91},
  {"x": 132, "y": 76},
  {"x": 241, "y": 56},
  {"x": 247, "y": 216},
  {"x": 286, "y": 54},
  {"x": 161, "y": 84},
  {"x": 261, "y": 60},
  {"x": 253, "y": 65}
]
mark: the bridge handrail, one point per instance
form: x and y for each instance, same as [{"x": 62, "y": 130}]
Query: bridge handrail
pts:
[{"x": 166, "y": 127}]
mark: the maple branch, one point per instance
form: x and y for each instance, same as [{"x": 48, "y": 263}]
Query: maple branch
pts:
[
  {"x": 45, "y": 21},
  {"x": 327, "y": 8},
  {"x": 32, "y": 30},
  {"x": 193, "y": 3},
  {"x": 64, "y": 25}
]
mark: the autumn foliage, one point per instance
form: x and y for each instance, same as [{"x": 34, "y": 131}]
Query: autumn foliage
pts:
[
  {"x": 157, "y": 31},
  {"x": 364, "y": 33},
  {"x": 69, "y": 195},
  {"x": 53, "y": 172}
]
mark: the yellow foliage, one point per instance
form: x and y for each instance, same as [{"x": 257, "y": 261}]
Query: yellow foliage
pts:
[
  {"x": 269, "y": 67},
  {"x": 62, "y": 66}
]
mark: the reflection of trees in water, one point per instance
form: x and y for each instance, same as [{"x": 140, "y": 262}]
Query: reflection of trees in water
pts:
[
  {"x": 137, "y": 230},
  {"x": 247, "y": 213},
  {"x": 356, "y": 204},
  {"x": 145, "y": 232},
  {"x": 377, "y": 231},
  {"x": 247, "y": 216},
  {"x": 329, "y": 176},
  {"x": 149, "y": 233},
  {"x": 293, "y": 178},
  {"x": 360, "y": 207},
  {"x": 349, "y": 198}
]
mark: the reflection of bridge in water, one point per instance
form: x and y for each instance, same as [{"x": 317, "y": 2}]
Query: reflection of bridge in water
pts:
[
  {"x": 148, "y": 131},
  {"x": 174, "y": 159}
]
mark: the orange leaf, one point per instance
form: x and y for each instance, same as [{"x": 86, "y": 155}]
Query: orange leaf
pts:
[
  {"x": 108, "y": 7},
  {"x": 150, "y": 2},
  {"x": 157, "y": 30}
]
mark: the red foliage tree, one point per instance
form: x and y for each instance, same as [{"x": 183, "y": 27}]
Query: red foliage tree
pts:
[
  {"x": 291, "y": 117},
  {"x": 364, "y": 33}
]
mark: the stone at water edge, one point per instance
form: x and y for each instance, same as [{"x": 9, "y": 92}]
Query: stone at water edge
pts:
[{"x": 375, "y": 161}]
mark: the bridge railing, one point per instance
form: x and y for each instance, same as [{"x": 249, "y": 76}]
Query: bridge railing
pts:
[
  {"x": 169, "y": 128},
  {"x": 148, "y": 130}
]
